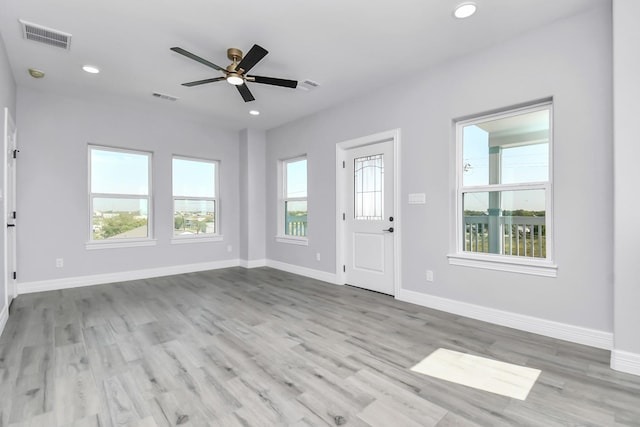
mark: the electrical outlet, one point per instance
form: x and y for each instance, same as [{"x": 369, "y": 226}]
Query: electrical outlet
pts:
[
  {"x": 229, "y": 248},
  {"x": 59, "y": 262},
  {"x": 429, "y": 276},
  {"x": 317, "y": 256}
]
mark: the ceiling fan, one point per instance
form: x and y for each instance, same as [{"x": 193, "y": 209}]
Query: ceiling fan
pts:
[{"x": 235, "y": 73}]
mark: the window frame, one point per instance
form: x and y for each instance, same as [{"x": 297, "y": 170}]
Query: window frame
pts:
[
  {"x": 198, "y": 238},
  {"x": 282, "y": 237},
  {"x": 511, "y": 263},
  {"x": 121, "y": 242}
]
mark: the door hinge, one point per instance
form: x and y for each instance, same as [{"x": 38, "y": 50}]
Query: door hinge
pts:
[
  {"x": 344, "y": 165},
  {"x": 15, "y": 275},
  {"x": 344, "y": 216},
  {"x": 15, "y": 153},
  {"x": 344, "y": 269}
]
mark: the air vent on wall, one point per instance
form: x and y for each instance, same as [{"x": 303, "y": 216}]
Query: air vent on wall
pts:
[
  {"x": 165, "y": 96},
  {"x": 308, "y": 85},
  {"x": 49, "y": 36}
]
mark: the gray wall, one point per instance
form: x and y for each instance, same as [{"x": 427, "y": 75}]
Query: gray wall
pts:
[
  {"x": 7, "y": 83},
  {"x": 252, "y": 195},
  {"x": 569, "y": 60},
  {"x": 627, "y": 152},
  {"x": 8, "y": 100},
  {"x": 53, "y": 183}
]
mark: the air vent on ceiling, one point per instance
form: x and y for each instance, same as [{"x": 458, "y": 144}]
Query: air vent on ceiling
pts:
[
  {"x": 165, "y": 96},
  {"x": 308, "y": 85},
  {"x": 49, "y": 36}
]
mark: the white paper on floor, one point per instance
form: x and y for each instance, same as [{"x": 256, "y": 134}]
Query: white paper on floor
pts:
[{"x": 479, "y": 372}]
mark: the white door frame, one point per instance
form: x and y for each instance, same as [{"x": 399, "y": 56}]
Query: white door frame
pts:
[
  {"x": 9, "y": 247},
  {"x": 341, "y": 186}
]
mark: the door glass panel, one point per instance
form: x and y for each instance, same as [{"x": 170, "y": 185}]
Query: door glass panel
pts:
[{"x": 368, "y": 187}]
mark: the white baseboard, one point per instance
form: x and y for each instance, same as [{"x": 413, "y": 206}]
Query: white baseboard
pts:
[
  {"x": 563, "y": 331},
  {"x": 303, "y": 271},
  {"x": 4, "y": 316},
  {"x": 625, "y": 361},
  {"x": 123, "y": 276},
  {"x": 253, "y": 263}
]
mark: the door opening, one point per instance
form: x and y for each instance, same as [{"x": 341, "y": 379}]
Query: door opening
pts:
[
  {"x": 9, "y": 208},
  {"x": 367, "y": 199}
]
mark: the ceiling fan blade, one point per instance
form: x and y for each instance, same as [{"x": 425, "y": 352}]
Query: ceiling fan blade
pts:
[
  {"x": 245, "y": 92},
  {"x": 201, "y": 82},
  {"x": 190, "y": 55},
  {"x": 255, "y": 54},
  {"x": 274, "y": 81}
]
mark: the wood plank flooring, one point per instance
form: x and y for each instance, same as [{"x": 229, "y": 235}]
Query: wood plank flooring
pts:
[{"x": 261, "y": 347}]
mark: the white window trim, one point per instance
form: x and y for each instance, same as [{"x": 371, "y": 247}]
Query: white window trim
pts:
[
  {"x": 179, "y": 240},
  {"x": 281, "y": 237},
  {"x": 533, "y": 266},
  {"x": 293, "y": 240},
  {"x": 198, "y": 238},
  {"x": 124, "y": 242}
]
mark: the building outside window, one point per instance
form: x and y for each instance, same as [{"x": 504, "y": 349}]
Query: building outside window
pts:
[
  {"x": 120, "y": 194},
  {"x": 195, "y": 197}
]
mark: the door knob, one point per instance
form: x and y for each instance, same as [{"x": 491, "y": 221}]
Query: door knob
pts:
[{"x": 390, "y": 230}]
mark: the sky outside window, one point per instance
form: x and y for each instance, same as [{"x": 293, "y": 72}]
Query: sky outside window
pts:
[
  {"x": 117, "y": 172},
  {"x": 297, "y": 178},
  {"x": 194, "y": 178}
]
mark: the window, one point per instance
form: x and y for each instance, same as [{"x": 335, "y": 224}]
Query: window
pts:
[
  {"x": 195, "y": 198},
  {"x": 120, "y": 194},
  {"x": 504, "y": 190},
  {"x": 293, "y": 201}
]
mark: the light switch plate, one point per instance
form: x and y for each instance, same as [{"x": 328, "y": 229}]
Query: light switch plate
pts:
[{"x": 417, "y": 199}]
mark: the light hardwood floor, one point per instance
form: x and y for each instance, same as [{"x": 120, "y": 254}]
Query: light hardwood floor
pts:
[{"x": 261, "y": 347}]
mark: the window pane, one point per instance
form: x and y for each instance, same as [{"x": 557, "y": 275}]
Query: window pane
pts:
[
  {"x": 506, "y": 222},
  {"x": 368, "y": 187},
  {"x": 526, "y": 163},
  {"x": 296, "y": 218},
  {"x": 115, "y": 218},
  {"x": 194, "y": 217},
  {"x": 193, "y": 178},
  {"x": 297, "y": 179},
  {"x": 117, "y": 172},
  {"x": 510, "y": 150}
]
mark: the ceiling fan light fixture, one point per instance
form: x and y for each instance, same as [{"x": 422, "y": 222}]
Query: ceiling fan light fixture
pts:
[
  {"x": 465, "y": 10},
  {"x": 235, "y": 79}
]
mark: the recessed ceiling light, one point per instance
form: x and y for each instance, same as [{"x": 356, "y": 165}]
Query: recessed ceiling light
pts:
[
  {"x": 254, "y": 112},
  {"x": 91, "y": 69},
  {"x": 465, "y": 10},
  {"x": 36, "y": 74}
]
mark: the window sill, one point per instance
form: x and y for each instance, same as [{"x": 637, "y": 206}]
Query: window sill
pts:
[
  {"x": 196, "y": 239},
  {"x": 122, "y": 244},
  {"x": 501, "y": 263},
  {"x": 292, "y": 240}
]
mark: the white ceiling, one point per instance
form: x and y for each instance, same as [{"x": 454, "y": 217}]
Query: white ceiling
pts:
[{"x": 350, "y": 47}]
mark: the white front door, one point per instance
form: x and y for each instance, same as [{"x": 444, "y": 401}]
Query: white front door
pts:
[
  {"x": 9, "y": 205},
  {"x": 369, "y": 223}
]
